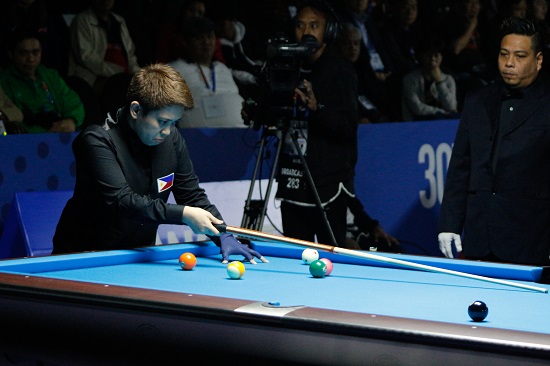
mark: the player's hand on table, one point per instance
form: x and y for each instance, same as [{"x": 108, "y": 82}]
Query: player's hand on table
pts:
[
  {"x": 231, "y": 246},
  {"x": 446, "y": 243},
  {"x": 200, "y": 221}
]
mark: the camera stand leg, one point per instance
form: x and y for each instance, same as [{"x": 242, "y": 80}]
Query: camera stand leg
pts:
[
  {"x": 293, "y": 133},
  {"x": 255, "y": 210}
]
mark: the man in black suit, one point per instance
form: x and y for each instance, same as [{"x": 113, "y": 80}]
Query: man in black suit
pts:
[{"x": 497, "y": 194}]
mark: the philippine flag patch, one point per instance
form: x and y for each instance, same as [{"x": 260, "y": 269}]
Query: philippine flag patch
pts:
[{"x": 165, "y": 182}]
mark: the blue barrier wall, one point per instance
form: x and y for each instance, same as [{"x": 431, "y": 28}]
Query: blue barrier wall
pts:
[
  {"x": 45, "y": 162},
  {"x": 400, "y": 177},
  {"x": 400, "y": 172}
]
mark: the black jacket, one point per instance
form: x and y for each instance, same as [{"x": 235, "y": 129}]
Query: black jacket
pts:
[
  {"x": 505, "y": 211},
  {"x": 331, "y": 133}
]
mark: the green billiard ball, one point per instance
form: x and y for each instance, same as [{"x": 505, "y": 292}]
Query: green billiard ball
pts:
[{"x": 318, "y": 268}]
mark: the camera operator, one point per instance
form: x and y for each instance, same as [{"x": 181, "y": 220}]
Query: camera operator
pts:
[{"x": 327, "y": 102}]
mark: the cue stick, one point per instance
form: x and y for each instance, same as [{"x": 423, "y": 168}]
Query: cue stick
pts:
[{"x": 254, "y": 234}]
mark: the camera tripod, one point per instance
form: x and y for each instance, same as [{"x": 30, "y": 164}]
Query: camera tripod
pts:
[{"x": 255, "y": 209}]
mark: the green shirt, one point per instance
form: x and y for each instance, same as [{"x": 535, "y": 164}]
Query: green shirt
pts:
[{"x": 48, "y": 93}]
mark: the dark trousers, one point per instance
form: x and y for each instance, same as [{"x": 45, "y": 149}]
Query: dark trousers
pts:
[{"x": 306, "y": 223}]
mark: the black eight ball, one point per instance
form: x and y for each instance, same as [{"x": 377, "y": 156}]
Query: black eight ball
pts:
[{"x": 478, "y": 311}]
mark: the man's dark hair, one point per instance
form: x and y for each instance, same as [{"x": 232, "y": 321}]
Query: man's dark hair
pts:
[
  {"x": 522, "y": 27},
  {"x": 430, "y": 44},
  {"x": 197, "y": 26},
  {"x": 320, "y": 6},
  {"x": 20, "y": 34}
]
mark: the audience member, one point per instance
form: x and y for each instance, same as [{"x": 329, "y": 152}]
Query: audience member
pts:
[
  {"x": 348, "y": 45},
  {"x": 217, "y": 99},
  {"x": 169, "y": 44},
  {"x": 44, "y": 17},
  {"x": 538, "y": 11},
  {"x": 465, "y": 54},
  {"x": 231, "y": 33},
  {"x": 516, "y": 8},
  {"x": 48, "y": 104},
  {"x": 373, "y": 58},
  {"x": 490, "y": 11},
  {"x": 432, "y": 14},
  {"x": 171, "y": 36},
  {"x": 145, "y": 19},
  {"x": 428, "y": 92},
  {"x": 400, "y": 34},
  {"x": 101, "y": 45}
]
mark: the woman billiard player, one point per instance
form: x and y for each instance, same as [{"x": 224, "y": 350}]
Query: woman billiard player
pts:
[{"x": 126, "y": 169}]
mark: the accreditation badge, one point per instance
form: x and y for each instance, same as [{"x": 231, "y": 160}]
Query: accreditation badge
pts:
[
  {"x": 292, "y": 179},
  {"x": 213, "y": 106}
]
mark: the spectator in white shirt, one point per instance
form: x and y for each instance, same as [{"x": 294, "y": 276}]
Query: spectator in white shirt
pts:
[
  {"x": 428, "y": 92},
  {"x": 216, "y": 95}
]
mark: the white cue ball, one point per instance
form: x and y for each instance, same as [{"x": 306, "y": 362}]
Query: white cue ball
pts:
[{"x": 309, "y": 255}]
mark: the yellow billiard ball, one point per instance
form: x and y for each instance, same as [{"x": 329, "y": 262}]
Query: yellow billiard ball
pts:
[{"x": 235, "y": 270}]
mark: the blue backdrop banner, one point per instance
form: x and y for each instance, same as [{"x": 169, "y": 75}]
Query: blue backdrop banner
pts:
[
  {"x": 400, "y": 171},
  {"x": 400, "y": 176}
]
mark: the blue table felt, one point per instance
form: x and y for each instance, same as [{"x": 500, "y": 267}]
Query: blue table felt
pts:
[{"x": 355, "y": 285}]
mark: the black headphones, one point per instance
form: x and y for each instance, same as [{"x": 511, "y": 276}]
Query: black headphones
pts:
[{"x": 332, "y": 27}]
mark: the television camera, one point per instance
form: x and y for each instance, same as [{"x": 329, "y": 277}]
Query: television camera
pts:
[{"x": 278, "y": 77}]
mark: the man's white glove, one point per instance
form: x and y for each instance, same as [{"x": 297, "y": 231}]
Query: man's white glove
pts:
[{"x": 446, "y": 243}]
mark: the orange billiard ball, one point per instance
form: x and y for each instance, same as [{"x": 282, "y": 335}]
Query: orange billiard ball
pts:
[{"x": 188, "y": 261}]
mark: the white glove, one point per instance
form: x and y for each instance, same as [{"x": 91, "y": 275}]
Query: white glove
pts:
[
  {"x": 200, "y": 220},
  {"x": 446, "y": 243}
]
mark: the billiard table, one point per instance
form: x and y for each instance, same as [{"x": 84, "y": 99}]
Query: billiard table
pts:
[{"x": 139, "y": 306}]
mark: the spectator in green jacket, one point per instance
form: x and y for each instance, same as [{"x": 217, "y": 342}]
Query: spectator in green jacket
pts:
[{"x": 48, "y": 104}]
